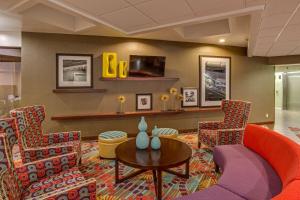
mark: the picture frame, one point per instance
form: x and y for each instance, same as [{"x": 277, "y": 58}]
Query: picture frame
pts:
[
  {"x": 144, "y": 101},
  {"x": 74, "y": 71},
  {"x": 215, "y": 80},
  {"x": 190, "y": 97}
]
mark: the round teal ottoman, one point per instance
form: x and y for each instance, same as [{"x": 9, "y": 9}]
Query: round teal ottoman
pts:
[
  {"x": 167, "y": 132},
  {"x": 108, "y": 142}
]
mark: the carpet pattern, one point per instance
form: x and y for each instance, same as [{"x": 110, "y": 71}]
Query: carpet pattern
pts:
[{"x": 141, "y": 187}]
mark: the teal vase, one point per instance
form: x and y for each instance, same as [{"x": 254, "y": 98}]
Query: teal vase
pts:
[
  {"x": 142, "y": 140},
  {"x": 143, "y": 125},
  {"x": 155, "y": 142}
]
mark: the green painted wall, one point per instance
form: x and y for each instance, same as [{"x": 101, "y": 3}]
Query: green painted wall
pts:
[{"x": 251, "y": 79}]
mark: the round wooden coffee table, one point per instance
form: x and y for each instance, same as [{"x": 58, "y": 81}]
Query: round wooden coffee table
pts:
[{"x": 172, "y": 153}]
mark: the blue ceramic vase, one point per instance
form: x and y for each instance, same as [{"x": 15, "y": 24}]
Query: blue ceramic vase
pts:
[
  {"x": 155, "y": 142},
  {"x": 142, "y": 140}
]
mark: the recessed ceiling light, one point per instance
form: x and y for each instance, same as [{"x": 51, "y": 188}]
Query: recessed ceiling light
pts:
[{"x": 222, "y": 40}]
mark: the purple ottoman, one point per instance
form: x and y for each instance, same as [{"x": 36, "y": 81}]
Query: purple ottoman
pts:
[{"x": 246, "y": 173}]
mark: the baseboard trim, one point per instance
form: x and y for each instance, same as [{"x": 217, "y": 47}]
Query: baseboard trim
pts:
[{"x": 130, "y": 135}]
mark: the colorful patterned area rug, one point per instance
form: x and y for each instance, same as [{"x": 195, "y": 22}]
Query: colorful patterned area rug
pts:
[{"x": 141, "y": 187}]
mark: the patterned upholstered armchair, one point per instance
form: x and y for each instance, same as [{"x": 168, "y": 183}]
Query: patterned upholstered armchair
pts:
[
  {"x": 229, "y": 131},
  {"x": 34, "y": 144},
  {"x": 52, "y": 178}
]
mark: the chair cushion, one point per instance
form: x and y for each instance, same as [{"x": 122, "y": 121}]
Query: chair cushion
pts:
[
  {"x": 246, "y": 173},
  {"x": 212, "y": 193},
  {"x": 209, "y": 137},
  {"x": 282, "y": 153},
  {"x": 52, "y": 183}
]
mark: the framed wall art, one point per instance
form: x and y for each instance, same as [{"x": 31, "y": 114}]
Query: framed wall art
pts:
[
  {"x": 214, "y": 80},
  {"x": 144, "y": 101},
  {"x": 74, "y": 71},
  {"x": 190, "y": 97}
]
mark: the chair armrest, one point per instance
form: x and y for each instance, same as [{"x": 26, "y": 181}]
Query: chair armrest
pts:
[
  {"x": 34, "y": 154},
  {"x": 34, "y": 171},
  {"x": 59, "y": 137},
  {"x": 85, "y": 190},
  {"x": 212, "y": 125},
  {"x": 230, "y": 136}
]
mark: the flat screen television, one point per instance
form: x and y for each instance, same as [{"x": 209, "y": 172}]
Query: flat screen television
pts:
[{"x": 147, "y": 66}]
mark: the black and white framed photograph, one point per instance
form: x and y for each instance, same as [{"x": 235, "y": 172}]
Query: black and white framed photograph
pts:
[
  {"x": 190, "y": 97},
  {"x": 144, "y": 101},
  {"x": 74, "y": 71},
  {"x": 214, "y": 80}
]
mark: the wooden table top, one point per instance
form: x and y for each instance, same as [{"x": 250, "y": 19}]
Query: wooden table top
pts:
[{"x": 171, "y": 154}]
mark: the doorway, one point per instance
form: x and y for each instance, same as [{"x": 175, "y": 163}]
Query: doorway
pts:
[
  {"x": 287, "y": 100},
  {"x": 10, "y": 79}
]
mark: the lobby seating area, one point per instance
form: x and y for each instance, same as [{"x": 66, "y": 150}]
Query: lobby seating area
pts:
[
  {"x": 149, "y": 100},
  {"x": 257, "y": 169},
  {"x": 264, "y": 165}
]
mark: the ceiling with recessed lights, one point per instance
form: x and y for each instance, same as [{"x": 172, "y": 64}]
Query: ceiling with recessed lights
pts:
[{"x": 266, "y": 27}]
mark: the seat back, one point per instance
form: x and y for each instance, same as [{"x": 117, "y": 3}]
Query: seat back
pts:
[
  {"x": 31, "y": 118},
  {"x": 10, "y": 186},
  {"x": 236, "y": 113},
  {"x": 8, "y": 138},
  {"x": 282, "y": 153}
]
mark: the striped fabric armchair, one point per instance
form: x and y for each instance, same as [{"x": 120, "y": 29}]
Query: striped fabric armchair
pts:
[
  {"x": 52, "y": 178},
  {"x": 229, "y": 131},
  {"x": 34, "y": 144}
]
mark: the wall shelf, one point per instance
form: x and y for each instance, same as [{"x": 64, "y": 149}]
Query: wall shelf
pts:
[
  {"x": 140, "y": 79},
  {"x": 81, "y": 90},
  {"x": 131, "y": 114}
]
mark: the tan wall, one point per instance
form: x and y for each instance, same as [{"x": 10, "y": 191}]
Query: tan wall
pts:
[{"x": 251, "y": 80}]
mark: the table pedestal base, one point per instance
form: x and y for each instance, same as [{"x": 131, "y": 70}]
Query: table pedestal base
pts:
[{"x": 157, "y": 178}]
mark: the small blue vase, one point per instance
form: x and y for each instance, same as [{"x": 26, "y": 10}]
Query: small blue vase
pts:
[
  {"x": 155, "y": 142},
  {"x": 142, "y": 140},
  {"x": 143, "y": 124}
]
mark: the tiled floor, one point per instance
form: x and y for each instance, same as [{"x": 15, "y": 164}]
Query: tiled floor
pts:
[{"x": 288, "y": 123}]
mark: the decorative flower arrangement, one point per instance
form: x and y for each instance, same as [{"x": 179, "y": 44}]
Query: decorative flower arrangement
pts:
[
  {"x": 164, "y": 98},
  {"x": 122, "y": 100},
  {"x": 173, "y": 92},
  {"x": 179, "y": 98}
]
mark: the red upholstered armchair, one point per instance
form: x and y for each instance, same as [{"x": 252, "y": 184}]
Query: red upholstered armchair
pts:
[
  {"x": 52, "y": 178},
  {"x": 34, "y": 144},
  {"x": 229, "y": 131}
]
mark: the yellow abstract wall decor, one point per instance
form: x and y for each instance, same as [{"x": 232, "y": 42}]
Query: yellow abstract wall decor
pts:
[
  {"x": 123, "y": 69},
  {"x": 109, "y": 65}
]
